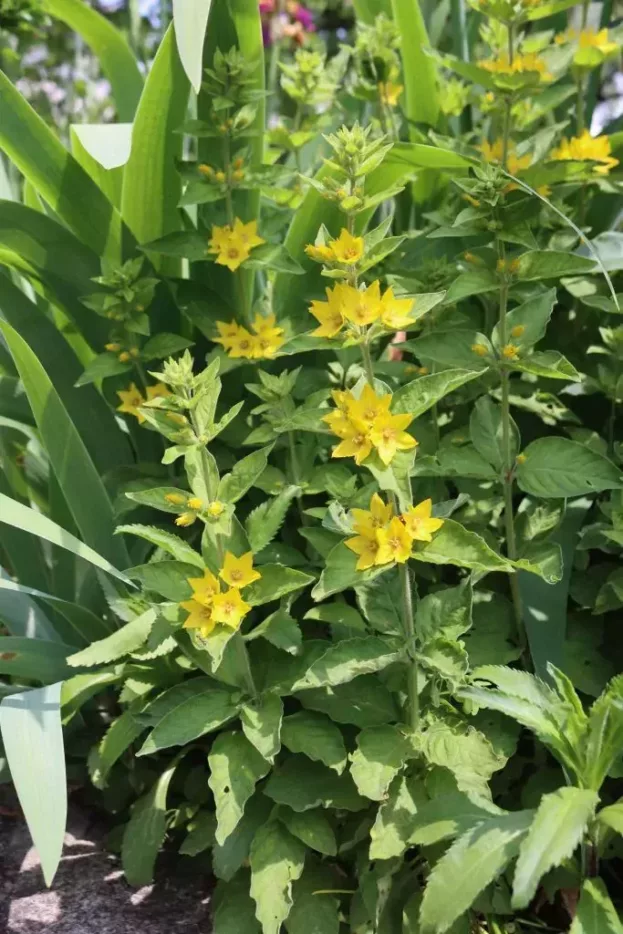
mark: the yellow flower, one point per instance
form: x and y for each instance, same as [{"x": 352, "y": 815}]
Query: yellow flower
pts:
[
  {"x": 479, "y": 349},
  {"x": 215, "y": 509},
  {"x": 195, "y": 503},
  {"x": 367, "y": 522},
  {"x": 494, "y": 152},
  {"x": 592, "y": 46},
  {"x": 229, "y": 608},
  {"x": 390, "y": 92},
  {"x": 239, "y": 572},
  {"x": 518, "y": 330},
  {"x": 388, "y": 436},
  {"x": 369, "y": 407},
  {"x": 587, "y": 148},
  {"x": 355, "y": 442},
  {"x": 132, "y": 398},
  {"x": 362, "y": 307},
  {"x": 521, "y": 64},
  {"x": 233, "y": 243},
  {"x": 367, "y": 549},
  {"x": 113, "y": 348},
  {"x": 239, "y": 342},
  {"x": 329, "y": 313},
  {"x": 521, "y": 459},
  {"x": 419, "y": 523},
  {"x": 396, "y": 312},
  {"x": 199, "y": 617},
  {"x": 205, "y": 170},
  {"x": 176, "y": 499},
  {"x": 510, "y": 351},
  {"x": 186, "y": 519},
  {"x": 204, "y": 588},
  {"x": 320, "y": 254},
  {"x": 347, "y": 249},
  {"x": 394, "y": 543}
]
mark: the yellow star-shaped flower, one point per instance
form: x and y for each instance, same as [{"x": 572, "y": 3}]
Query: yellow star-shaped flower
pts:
[
  {"x": 199, "y": 617},
  {"x": 366, "y": 547},
  {"x": 362, "y": 307},
  {"x": 330, "y": 313},
  {"x": 367, "y": 522},
  {"x": 239, "y": 572},
  {"x": 419, "y": 523},
  {"x": 204, "y": 588},
  {"x": 388, "y": 436},
  {"x": 347, "y": 249},
  {"x": 369, "y": 407},
  {"x": 229, "y": 608},
  {"x": 355, "y": 442},
  {"x": 396, "y": 312},
  {"x": 394, "y": 543}
]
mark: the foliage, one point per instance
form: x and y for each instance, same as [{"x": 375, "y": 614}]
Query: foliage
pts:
[{"x": 310, "y": 480}]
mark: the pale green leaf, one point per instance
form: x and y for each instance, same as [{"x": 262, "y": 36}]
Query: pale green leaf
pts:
[
  {"x": 422, "y": 394},
  {"x": 302, "y": 784},
  {"x": 556, "y": 831},
  {"x": 30, "y": 724},
  {"x": 396, "y": 818},
  {"x": 277, "y": 859},
  {"x": 312, "y": 828},
  {"x": 261, "y": 724},
  {"x": 235, "y": 768},
  {"x": 145, "y": 832},
  {"x": 595, "y": 912},
  {"x": 190, "y": 19},
  {"x": 117, "y": 644},
  {"x": 168, "y": 542},
  {"x": 317, "y": 736},
  {"x": 347, "y": 659},
  {"x": 381, "y": 753},
  {"x": 198, "y": 712}
]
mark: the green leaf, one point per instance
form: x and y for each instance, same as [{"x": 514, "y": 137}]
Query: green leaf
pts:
[
  {"x": 340, "y": 572},
  {"x": 30, "y": 725},
  {"x": 364, "y": 701},
  {"x": 446, "y": 612},
  {"x": 275, "y": 582},
  {"x": 118, "y": 737},
  {"x": 422, "y": 394},
  {"x": 302, "y": 784},
  {"x": 109, "y": 46},
  {"x": 448, "y": 816},
  {"x": 34, "y": 148},
  {"x": 193, "y": 709},
  {"x": 548, "y": 363},
  {"x": 317, "y": 736},
  {"x": 556, "y": 831},
  {"x": 558, "y": 467},
  {"x": 612, "y": 816},
  {"x": 312, "y": 828},
  {"x": 235, "y": 768},
  {"x": 263, "y": 522},
  {"x": 21, "y": 615},
  {"x": 233, "y": 908},
  {"x": 243, "y": 476},
  {"x": 380, "y": 754},
  {"x": 145, "y": 832},
  {"x": 395, "y": 818},
  {"x": 453, "y": 544},
  {"x": 277, "y": 859},
  {"x": 74, "y": 470},
  {"x": 347, "y": 659},
  {"x": 164, "y": 345},
  {"x": 227, "y": 858},
  {"x": 167, "y": 578},
  {"x": 168, "y": 542},
  {"x": 472, "y": 282},
  {"x": 33, "y": 659},
  {"x": 452, "y": 348},
  {"x": 281, "y": 630},
  {"x": 101, "y": 367},
  {"x": 550, "y": 264},
  {"x": 22, "y": 517},
  {"x": 595, "y": 912},
  {"x": 533, "y": 316},
  {"x": 421, "y": 104},
  {"x": 151, "y": 182},
  {"x": 314, "y": 914},
  {"x": 485, "y": 430},
  {"x": 201, "y": 834},
  {"x": 464, "y": 751},
  {"x": 380, "y": 601},
  {"x": 119, "y": 643},
  {"x": 475, "y": 860},
  {"x": 261, "y": 724},
  {"x": 428, "y": 157},
  {"x": 190, "y": 19}
]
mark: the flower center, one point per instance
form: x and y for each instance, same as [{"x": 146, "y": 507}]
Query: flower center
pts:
[{"x": 236, "y": 575}]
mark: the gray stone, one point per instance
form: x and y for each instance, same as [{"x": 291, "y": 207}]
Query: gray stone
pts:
[{"x": 89, "y": 894}]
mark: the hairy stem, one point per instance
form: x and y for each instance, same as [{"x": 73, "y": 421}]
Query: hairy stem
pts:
[
  {"x": 367, "y": 362},
  {"x": 410, "y": 636},
  {"x": 245, "y": 663}
]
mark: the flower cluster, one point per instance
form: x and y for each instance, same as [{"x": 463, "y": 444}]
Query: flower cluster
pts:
[
  {"x": 494, "y": 152},
  {"x": 383, "y": 537},
  {"x": 347, "y": 250},
  {"x": 362, "y": 307},
  {"x": 233, "y": 243},
  {"x": 262, "y": 342},
  {"x": 209, "y": 605},
  {"x": 524, "y": 64},
  {"x": 587, "y": 148},
  {"x": 132, "y": 399},
  {"x": 365, "y": 424},
  {"x": 592, "y": 46},
  {"x": 194, "y": 507}
]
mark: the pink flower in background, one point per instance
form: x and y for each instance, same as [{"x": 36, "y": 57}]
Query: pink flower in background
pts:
[{"x": 289, "y": 19}]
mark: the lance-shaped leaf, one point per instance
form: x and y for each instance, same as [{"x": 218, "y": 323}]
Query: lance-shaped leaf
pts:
[
  {"x": 144, "y": 834},
  {"x": 235, "y": 768},
  {"x": 277, "y": 859},
  {"x": 595, "y": 912},
  {"x": 347, "y": 659},
  {"x": 558, "y": 467}
]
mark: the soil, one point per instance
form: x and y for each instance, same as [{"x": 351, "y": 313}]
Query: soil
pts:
[{"x": 89, "y": 894}]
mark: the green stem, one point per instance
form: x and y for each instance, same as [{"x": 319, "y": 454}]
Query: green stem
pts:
[
  {"x": 410, "y": 636},
  {"x": 245, "y": 663},
  {"x": 367, "y": 362},
  {"x": 296, "y": 475}
]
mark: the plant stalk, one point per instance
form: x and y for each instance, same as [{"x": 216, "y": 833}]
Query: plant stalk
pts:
[
  {"x": 409, "y": 627},
  {"x": 245, "y": 663}
]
